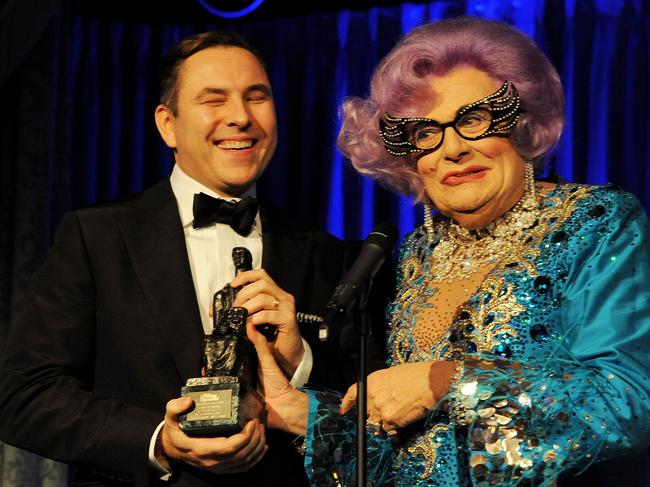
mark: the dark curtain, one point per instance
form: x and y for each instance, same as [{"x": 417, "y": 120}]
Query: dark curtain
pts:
[{"x": 78, "y": 95}]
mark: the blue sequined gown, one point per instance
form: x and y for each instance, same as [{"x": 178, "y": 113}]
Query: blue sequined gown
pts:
[{"x": 555, "y": 354}]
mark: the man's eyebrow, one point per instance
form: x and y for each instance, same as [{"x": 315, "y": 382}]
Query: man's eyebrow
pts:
[
  {"x": 210, "y": 91},
  {"x": 262, "y": 87}
]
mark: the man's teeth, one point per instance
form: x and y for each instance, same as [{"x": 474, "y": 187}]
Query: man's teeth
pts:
[{"x": 235, "y": 144}]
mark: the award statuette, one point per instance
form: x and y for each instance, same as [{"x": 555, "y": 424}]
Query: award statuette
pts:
[{"x": 226, "y": 397}]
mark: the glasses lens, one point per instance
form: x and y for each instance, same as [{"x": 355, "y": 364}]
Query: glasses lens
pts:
[
  {"x": 424, "y": 135},
  {"x": 474, "y": 123}
]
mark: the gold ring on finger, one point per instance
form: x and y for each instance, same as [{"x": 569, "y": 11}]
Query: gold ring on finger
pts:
[
  {"x": 391, "y": 433},
  {"x": 373, "y": 428},
  {"x": 276, "y": 302}
]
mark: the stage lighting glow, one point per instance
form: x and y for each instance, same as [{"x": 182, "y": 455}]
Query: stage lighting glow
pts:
[{"x": 230, "y": 14}]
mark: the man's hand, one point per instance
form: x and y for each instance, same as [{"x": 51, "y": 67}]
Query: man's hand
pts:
[
  {"x": 267, "y": 303},
  {"x": 286, "y": 406},
  {"x": 236, "y": 453}
]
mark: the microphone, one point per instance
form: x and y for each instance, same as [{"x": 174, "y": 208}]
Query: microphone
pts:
[{"x": 376, "y": 248}]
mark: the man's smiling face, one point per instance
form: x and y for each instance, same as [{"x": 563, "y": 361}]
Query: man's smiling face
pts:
[{"x": 224, "y": 132}]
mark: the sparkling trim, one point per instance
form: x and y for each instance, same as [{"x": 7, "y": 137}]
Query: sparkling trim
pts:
[
  {"x": 428, "y": 221},
  {"x": 461, "y": 252}
]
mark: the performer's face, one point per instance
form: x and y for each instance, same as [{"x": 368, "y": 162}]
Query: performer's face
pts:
[
  {"x": 471, "y": 181},
  {"x": 224, "y": 131}
]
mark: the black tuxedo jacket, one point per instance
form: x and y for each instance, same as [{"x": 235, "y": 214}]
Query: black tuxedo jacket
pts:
[{"x": 110, "y": 331}]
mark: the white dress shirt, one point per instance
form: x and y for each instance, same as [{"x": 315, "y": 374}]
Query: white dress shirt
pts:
[
  {"x": 210, "y": 254},
  {"x": 210, "y": 248}
]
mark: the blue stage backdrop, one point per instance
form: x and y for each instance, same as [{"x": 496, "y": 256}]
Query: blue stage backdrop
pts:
[
  {"x": 78, "y": 101},
  {"x": 600, "y": 48},
  {"x": 107, "y": 85}
]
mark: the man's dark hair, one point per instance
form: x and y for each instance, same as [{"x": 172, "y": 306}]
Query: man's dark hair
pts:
[{"x": 173, "y": 60}]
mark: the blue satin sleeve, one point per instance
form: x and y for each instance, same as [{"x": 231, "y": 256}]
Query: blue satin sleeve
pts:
[{"x": 541, "y": 418}]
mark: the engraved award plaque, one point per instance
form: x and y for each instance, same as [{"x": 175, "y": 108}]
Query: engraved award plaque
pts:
[{"x": 226, "y": 397}]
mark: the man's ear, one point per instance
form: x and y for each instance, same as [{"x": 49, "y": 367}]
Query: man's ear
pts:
[{"x": 166, "y": 123}]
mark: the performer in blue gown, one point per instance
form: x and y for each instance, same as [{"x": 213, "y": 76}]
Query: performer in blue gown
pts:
[{"x": 520, "y": 333}]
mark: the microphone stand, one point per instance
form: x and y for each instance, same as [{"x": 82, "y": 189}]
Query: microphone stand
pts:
[
  {"x": 362, "y": 399},
  {"x": 349, "y": 300},
  {"x": 358, "y": 328}
]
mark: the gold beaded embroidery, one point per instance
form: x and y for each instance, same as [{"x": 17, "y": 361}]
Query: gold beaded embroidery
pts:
[
  {"x": 426, "y": 447},
  {"x": 503, "y": 306},
  {"x": 415, "y": 289}
]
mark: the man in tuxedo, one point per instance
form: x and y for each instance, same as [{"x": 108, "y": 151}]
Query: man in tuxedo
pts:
[{"x": 112, "y": 324}]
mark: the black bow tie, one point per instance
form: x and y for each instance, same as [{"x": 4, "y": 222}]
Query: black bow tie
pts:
[{"x": 240, "y": 216}]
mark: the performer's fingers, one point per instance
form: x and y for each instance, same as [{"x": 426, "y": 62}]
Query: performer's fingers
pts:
[{"x": 349, "y": 400}]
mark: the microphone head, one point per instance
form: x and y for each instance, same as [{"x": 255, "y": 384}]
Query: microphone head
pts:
[
  {"x": 383, "y": 235},
  {"x": 355, "y": 284}
]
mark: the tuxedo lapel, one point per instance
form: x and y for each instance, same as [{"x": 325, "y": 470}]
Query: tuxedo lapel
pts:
[
  {"x": 156, "y": 243},
  {"x": 286, "y": 250}
]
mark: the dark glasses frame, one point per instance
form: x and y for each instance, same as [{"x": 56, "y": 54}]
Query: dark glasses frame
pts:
[{"x": 504, "y": 107}]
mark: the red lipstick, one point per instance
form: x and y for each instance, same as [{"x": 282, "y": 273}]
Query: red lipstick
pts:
[{"x": 471, "y": 173}]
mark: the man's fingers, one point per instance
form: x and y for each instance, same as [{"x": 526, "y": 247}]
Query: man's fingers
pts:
[
  {"x": 264, "y": 355},
  {"x": 262, "y": 302},
  {"x": 261, "y": 295},
  {"x": 234, "y": 468},
  {"x": 223, "y": 451},
  {"x": 257, "y": 455},
  {"x": 235, "y": 453},
  {"x": 247, "y": 277},
  {"x": 252, "y": 449},
  {"x": 232, "y": 445},
  {"x": 244, "y": 455},
  {"x": 256, "y": 283},
  {"x": 175, "y": 443},
  {"x": 176, "y": 407}
]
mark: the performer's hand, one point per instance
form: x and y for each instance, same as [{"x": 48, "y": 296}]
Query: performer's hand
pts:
[
  {"x": 267, "y": 303},
  {"x": 236, "y": 453},
  {"x": 400, "y": 395},
  {"x": 286, "y": 406}
]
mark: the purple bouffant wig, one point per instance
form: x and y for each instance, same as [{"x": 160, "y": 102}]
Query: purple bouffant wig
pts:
[{"x": 401, "y": 82}]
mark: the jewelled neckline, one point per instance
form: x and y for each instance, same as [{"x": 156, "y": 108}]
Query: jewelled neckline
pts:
[{"x": 461, "y": 252}]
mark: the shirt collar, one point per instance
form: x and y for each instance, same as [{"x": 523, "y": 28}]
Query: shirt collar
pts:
[{"x": 184, "y": 188}]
